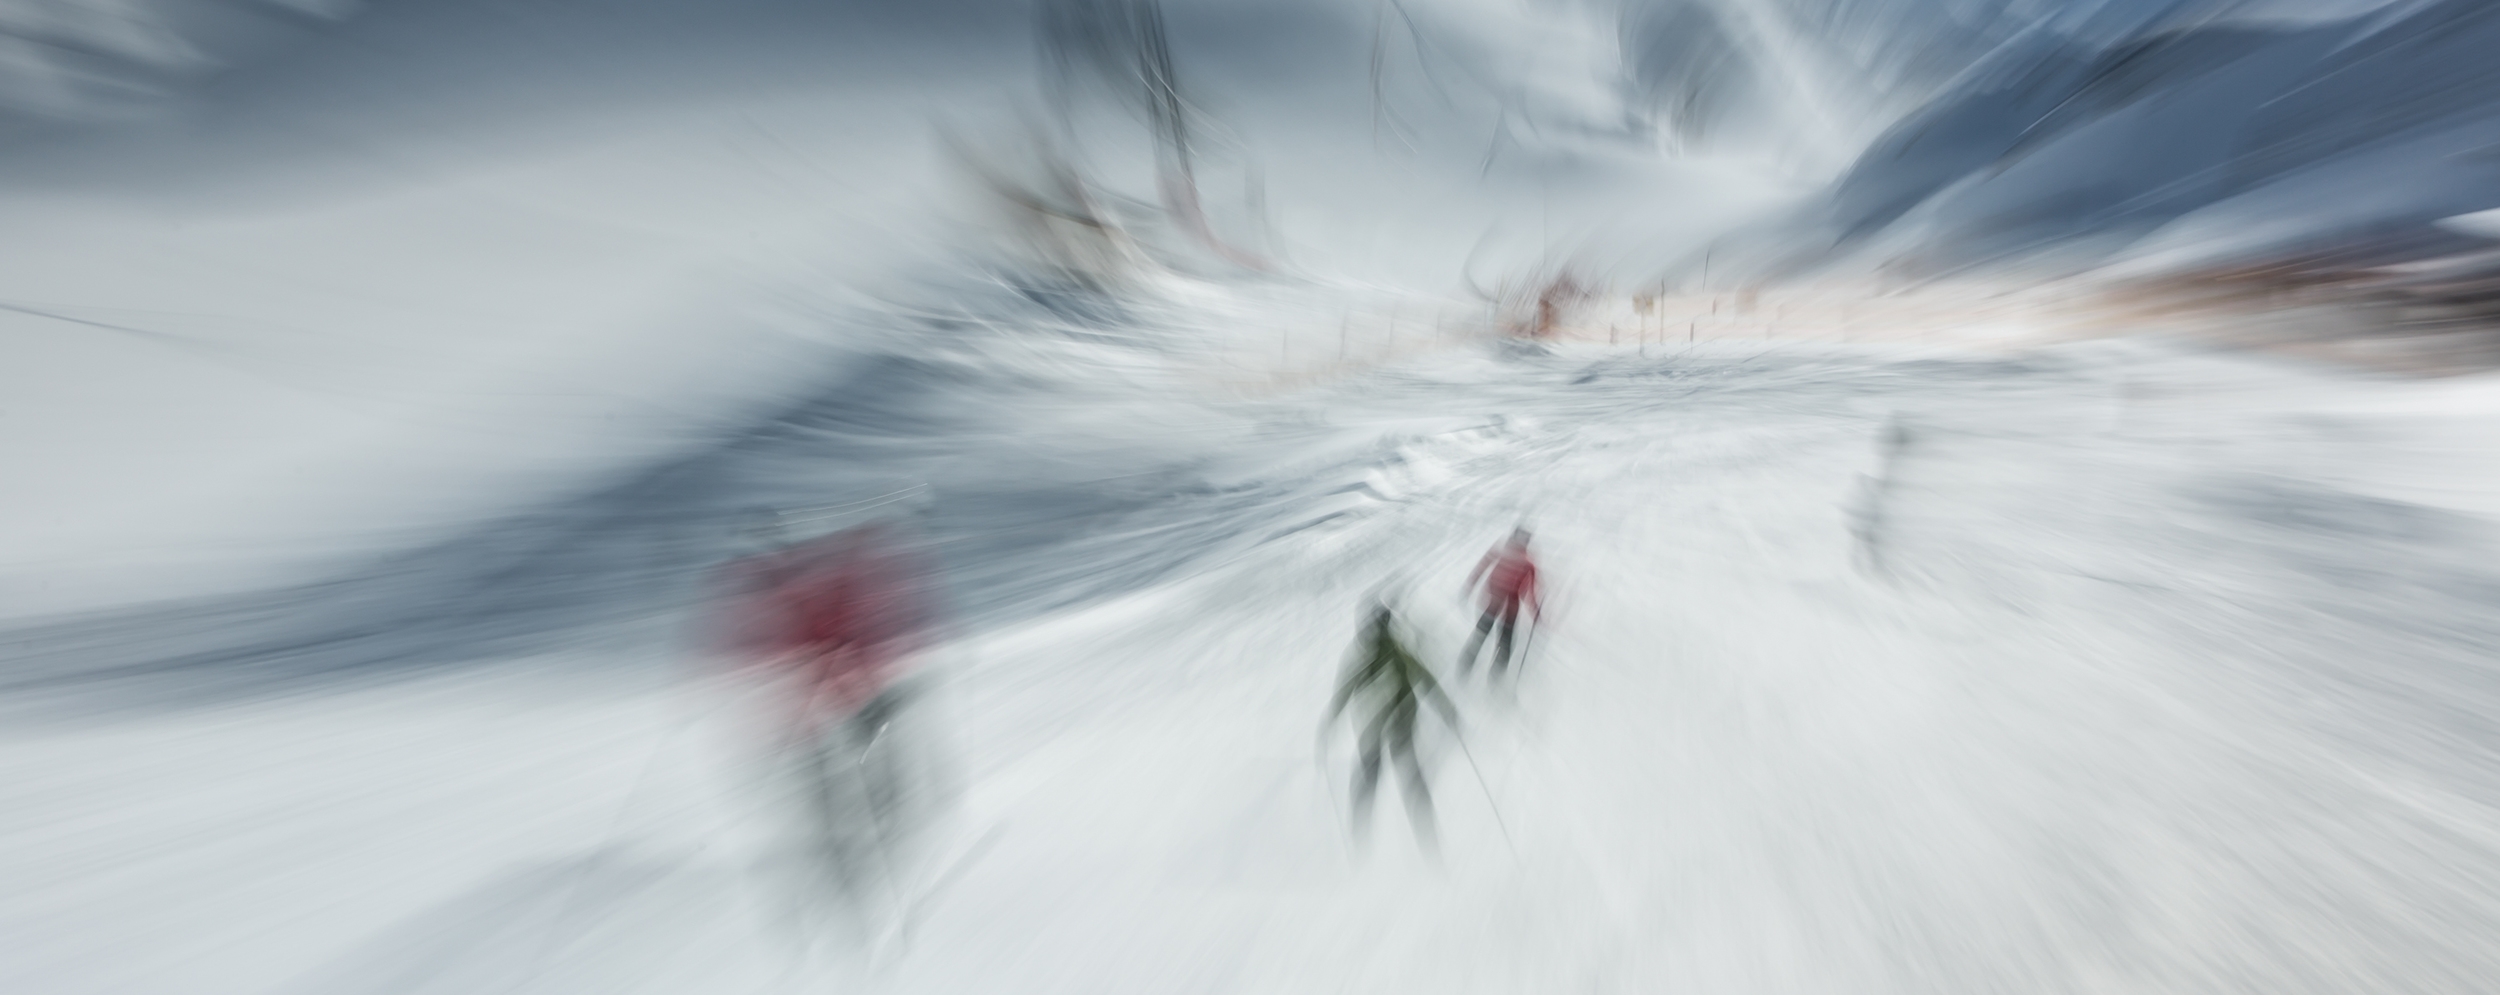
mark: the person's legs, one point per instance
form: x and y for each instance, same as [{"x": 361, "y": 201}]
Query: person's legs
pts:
[
  {"x": 1467, "y": 657},
  {"x": 818, "y": 773},
  {"x": 1366, "y": 773},
  {"x": 1418, "y": 793},
  {"x": 835, "y": 805},
  {"x": 879, "y": 764},
  {"x": 1501, "y": 648}
]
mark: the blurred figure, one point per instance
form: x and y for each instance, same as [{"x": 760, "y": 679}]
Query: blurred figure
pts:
[
  {"x": 832, "y": 623},
  {"x": 1867, "y": 514},
  {"x": 836, "y": 617},
  {"x": 1509, "y": 579},
  {"x": 1390, "y": 684}
]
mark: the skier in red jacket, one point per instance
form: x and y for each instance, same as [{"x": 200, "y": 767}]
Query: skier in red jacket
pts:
[
  {"x": 832, "y": 624},
  {"x": 836, "y": 618},
  {"x": 1509, "y": 579}
]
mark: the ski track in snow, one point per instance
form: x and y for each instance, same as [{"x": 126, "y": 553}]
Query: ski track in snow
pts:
[{"x": 1862, "y": 676}]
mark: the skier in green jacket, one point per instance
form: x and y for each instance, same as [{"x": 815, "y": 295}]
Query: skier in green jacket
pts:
[{"x": 1391, "y": 683}]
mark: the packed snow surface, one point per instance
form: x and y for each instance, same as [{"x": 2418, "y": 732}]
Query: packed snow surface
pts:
[
  {"x": 2099, "y": 670},
  {"x": 381, "y": 385}
]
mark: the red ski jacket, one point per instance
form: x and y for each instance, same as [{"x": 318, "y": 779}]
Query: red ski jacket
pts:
[
  {"x": 1509, "y": 579},
  {"x": 837, "y": 616}
]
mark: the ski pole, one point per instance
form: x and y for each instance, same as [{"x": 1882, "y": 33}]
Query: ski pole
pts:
[{"x": 1487, "y": 787}]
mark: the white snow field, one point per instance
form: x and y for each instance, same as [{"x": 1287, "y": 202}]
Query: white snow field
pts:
[
  {"x": 2099, "y": 670},
  {"x": 380, "y": 382}
]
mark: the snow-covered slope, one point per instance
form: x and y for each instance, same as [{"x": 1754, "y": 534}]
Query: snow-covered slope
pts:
[
  {"x": 2116, "y": 670},
  {"x": 376, "y": 408}
]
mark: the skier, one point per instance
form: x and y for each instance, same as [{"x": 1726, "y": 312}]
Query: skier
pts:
[
  {"x": 835, "y": 617},
  {"x": 832, "y": 622},
  {"x": 1391, "y": 683},
  {"x": 1509, "y": 579}
]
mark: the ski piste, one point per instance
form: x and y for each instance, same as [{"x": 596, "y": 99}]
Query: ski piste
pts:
[
  {"x": 1737, "y": 737},
  {"x": 2012, "y": 478}
]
